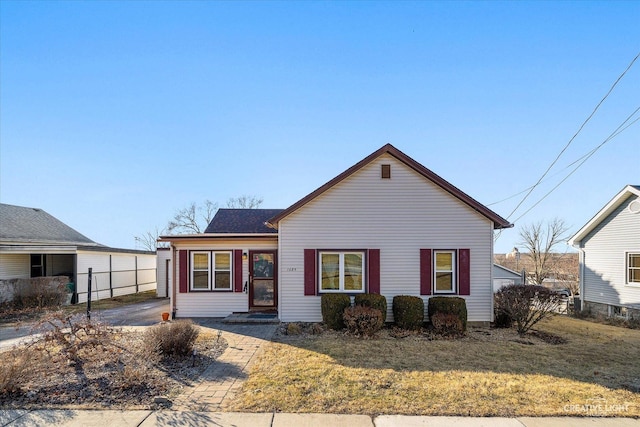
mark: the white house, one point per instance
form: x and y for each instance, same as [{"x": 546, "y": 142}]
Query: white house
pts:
[
  {"x": 387, "y": 225},
  {"x": 609, "y": 246},
  {"x": 33, "y": 243}
]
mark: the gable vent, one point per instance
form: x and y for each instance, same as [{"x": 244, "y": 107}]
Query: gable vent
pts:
[
  {"x": 634, "y": 206},
  {"x": 386, "y": 172}
]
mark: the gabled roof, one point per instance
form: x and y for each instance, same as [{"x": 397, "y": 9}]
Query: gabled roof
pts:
[
  {"x": 504, "y": 270},
  {"x": 20, "y": 224},
  {"x": 605, "y": 212},
  {"x": 242, "y": 221},
  {"x": 498, "y": 221}
]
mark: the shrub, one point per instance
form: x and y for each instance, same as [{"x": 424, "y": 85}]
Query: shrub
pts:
[
  {"x": 408, "y": 311},
  {"x": 37, "y": 292},
  {"x": 294, "y": 329},
  {"x": 526, "y": 304},
  {"x": 447, "y": 324},
  {"x": 449, "y": 305},
  {"x": 72, "y": 334},
  {"x": 374, "y": 301},
  {"x": 362, "y": 320},
  {"x": 175, "y": 338},
  {"x": 502, "y": 320},
  {"x": 13, "y": 371},
  {"x": 333, "y": 305}
]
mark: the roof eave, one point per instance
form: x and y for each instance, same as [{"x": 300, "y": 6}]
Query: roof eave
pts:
[
  {"x": 602, "y": 214},
  {"x": 497, "y": 220}
]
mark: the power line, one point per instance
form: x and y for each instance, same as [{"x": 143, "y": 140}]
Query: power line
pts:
[
  {"x": 575, "y": 135},
  {"x": 589, "y": 153},
  {"x": 615, "y": 133}
]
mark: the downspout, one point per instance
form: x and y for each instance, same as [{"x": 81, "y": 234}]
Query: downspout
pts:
[
  {"x": 173, "y": 281},
  {"x": 581, "y": 282}
]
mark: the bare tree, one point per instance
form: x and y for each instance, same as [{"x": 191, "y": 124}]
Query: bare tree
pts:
[
  {"x": 193, "y": 219},
  {"x": 539, "y": 240},
  {"x": 149, "y": 240},
  {"x": 244, "y": 202}
]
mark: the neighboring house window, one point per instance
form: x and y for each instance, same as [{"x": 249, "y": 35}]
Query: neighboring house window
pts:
[
  {"x": 211, "y": 271},
  {"x": 200, "y": 270},
  {"x": 444, "y": 272},
  {"x": 341, "y": 271},
  {"x": 633, "y": 268}
]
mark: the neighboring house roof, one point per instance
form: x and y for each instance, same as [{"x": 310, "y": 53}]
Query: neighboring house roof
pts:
[
  {"x": 20, "y": 224},
  {"x": 500, "y": 271},
  {"x": 498, "y": 221},
  {"x": 605, "y": 212},
  {"x": 242, "y": 221}
]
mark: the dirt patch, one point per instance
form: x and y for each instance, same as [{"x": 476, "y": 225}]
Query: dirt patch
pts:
[{"x": 120, "y": 374}]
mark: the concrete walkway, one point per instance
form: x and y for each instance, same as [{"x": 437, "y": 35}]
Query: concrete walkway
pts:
[
  {"x": 224, "y": 377},
  {"x": 72, "y": 418}
]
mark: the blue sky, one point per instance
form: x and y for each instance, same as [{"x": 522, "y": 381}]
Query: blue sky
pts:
[{"x": 113, "y": 115}]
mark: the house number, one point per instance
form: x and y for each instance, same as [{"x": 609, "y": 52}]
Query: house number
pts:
[{"x": 292, "y": 269}]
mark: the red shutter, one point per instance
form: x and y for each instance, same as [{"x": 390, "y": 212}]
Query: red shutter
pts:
[
  {"x": 374, "y": 271},
  {"x": 309, "y": 271},
  {"x": 426, "y": 271},
  {"x": 237, "y": 270},
  {"x": 464, "y": 274},
  {"x": 184, "y": 270}
]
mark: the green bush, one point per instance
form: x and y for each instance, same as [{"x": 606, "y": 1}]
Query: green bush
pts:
[
  {"x": 376, "y": 301},
  {"x": 408, "y": 311},
  {"x": 447, "y": 324},
  {"x": 364, "y": 321},
  {"x": 333, "y": 305},
  {"x": 448, "y": 305},
  {"x": 174, "y": 338}
]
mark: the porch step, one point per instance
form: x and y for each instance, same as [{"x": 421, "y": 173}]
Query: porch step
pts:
[{"x": 269, "y": 318}]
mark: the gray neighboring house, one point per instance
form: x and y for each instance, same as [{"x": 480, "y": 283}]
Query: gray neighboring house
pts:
[
  {"x": 33, "y": 244},
  {"x": 502, "y": 276},
  {"x": 609, "y": 246}
]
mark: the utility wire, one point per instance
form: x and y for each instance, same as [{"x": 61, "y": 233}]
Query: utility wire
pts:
[
  {"x": 589, "y": 153},
  {"x": 609, "y": 138},
  {"x": 575, "y": 135},
  {"x": 621, "y": 128}
]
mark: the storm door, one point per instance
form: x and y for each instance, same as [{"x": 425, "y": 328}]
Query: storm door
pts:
[{"x": 262, "y": 280}]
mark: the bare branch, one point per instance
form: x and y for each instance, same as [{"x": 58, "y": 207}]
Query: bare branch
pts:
[
  {"x": 244, "y": 202},
  {"x": 539, "y": 241}
]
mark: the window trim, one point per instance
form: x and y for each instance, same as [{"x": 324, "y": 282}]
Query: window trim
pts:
[
  {"x": 211, "y": 270},
  {"x": 342, "y": 253},
  {"x": 628, "y": 268},
  {"x": 192, "y": 270},
  {"x": 214, "y": 271},
  {"x": 453, "y": 271}
]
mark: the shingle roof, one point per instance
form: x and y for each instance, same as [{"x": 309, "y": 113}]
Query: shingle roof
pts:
[
  {"x": 31, "y": 225},
  {"x": 242, "y": 221}
]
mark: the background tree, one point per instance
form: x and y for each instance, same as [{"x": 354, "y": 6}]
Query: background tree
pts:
[
  {"x": 539, "y": 241},
  {"x": 194, "y": 219},
  {"x": 148, "y": 241},
  {"x": 244, "y": 202}
]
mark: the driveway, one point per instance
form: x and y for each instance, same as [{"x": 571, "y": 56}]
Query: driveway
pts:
[{"x": 139, "y": 314}]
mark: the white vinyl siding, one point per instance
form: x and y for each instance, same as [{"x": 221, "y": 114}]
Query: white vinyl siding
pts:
[
  {"x": 15, "y": 266},
  {"x": 217, "y": 304},
  {"x": 606, "y": 250},
  {"x": 399, "y": 216}
]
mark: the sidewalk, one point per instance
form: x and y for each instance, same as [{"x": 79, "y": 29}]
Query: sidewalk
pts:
[{"x": 71, "y": 418}]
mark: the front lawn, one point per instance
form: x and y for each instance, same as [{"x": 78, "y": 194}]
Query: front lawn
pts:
[{"x": 490, "y": 372}]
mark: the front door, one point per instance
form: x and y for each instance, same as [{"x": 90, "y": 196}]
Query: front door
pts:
[{"x": 262, "y": 280}]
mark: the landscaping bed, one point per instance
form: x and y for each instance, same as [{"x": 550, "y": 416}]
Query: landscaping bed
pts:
[
  {"x": 561, "y": 368},
  {"x": 116, "y": 369}
]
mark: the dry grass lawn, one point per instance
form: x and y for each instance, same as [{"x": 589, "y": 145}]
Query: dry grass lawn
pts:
[{"x": 487, "y": 373}]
